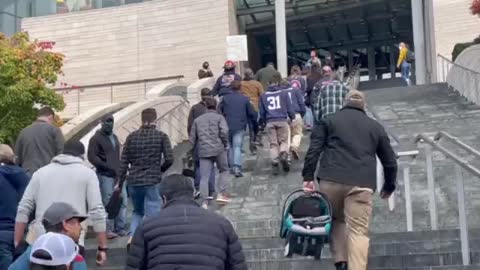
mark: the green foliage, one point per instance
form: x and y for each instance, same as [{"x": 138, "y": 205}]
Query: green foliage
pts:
[{"x": 26, "y": 70}]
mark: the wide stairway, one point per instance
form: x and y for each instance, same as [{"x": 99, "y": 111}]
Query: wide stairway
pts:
[{"x": 404, "y": 233}]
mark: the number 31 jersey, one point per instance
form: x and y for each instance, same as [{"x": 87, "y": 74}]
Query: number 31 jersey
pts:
[{"x": 275, "y": 105}]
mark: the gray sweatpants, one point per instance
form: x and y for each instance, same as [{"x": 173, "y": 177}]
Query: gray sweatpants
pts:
[{"x": 206, "y": 165}]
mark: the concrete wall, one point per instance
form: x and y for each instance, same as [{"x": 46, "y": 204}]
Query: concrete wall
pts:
[
  {"x": 454, "y": 24},
  {"x": 152, "y": 39}
]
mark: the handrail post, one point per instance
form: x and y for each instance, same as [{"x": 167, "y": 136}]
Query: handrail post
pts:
[
  {"x": 78, "y": 101},
  {"x": 408, "y": 198},
  {"x": 111, "y": 93},
  {"x": 431, "y": 188},
  {"x": 462, "y": 216}
]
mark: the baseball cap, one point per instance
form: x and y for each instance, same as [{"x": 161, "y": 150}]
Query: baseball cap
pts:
[
  {"x": 59, "y": 212},
  {"x": 53, "y": 249},
  {"x": 229, "y": 64}
]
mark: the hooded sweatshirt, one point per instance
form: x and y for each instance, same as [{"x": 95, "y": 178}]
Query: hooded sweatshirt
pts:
[
  {"x": 275, "y": 105},
  {"x": 297, "y": 100},
  {"x": 13, "y": 181},
  {"x": 223, "y": 84},
  {"x": 66, "y": 179}
]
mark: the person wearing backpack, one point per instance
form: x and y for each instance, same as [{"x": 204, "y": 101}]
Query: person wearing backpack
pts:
[{"x": 405, "y": 60}]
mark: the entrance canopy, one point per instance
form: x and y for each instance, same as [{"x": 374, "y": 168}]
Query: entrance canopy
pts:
[{"x": 333, "y": 27}]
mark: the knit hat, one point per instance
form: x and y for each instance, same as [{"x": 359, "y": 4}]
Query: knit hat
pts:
[
  {"x": 355, "y": 99},
  {"x": 176, "y": 185},
  {"x": 75, "y": 148},
  {"x": 6, "y": 154}
]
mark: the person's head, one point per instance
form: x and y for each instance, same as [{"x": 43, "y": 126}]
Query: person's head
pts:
[
  {"x": 74, "y": 148},
  {"x": 355, "y": 99},
  {"x": 229, "y": 65},
  {"x": 46, "y": 114},
  {"x": 248, "y": 75},
  {"x": 276, "y": 79},
  {"x": 205, "y": 65},
  {"x": 53, "y": 251},
  {"x": 6, "y": 155},
  {"x": 63, "y": 218},
  {"x": 295, "y": 70},
  {"x": 313, "y": 54},
  {"x": 211, "y": 103},
  {"x": 236, "y": 85},
  {"x": 402, "y": 45},
  {"x": 327, "y": 71},
  {"x": 149, "y": 116},
  {"x": 176, "y": 186},
  {"x": 107, "y": 124},
  {"x": 270, "y": 65},
  {"x": 205, "y": 93}
]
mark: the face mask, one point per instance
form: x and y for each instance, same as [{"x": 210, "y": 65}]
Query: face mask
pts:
[{"x": 107, "y": 128}]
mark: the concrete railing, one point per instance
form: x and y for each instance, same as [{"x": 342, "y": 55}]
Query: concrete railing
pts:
[{"x": 193, "y": 92}]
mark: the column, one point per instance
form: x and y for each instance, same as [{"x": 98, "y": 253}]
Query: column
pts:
[
  {"x": 281, "y": 35},
  {"x": 430, "y": 47},
  {"x": 419, "y": 40},
  {"x": 350, "y": 60},
  {"x": 45, "y": 7},
  {"x": 393, "y": 61},
  {"x": 372, "y": 73}
]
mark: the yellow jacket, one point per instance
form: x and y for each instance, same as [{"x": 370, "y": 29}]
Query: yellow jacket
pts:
[{"x": 403, "y": 56}]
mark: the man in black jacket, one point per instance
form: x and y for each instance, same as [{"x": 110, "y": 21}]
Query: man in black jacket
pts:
[
  {"x": 104, "y": 154},
  {"x": 184, "y": 236},
  {"x": 350, "y": 142}
]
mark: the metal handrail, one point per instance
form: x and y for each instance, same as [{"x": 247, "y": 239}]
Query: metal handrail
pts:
[
  {"x": 457, "y": 141},
  {"x": 457, "y": 65},
  {"x": 458, "y": 160},
  {"x": 176, "y": 77},
  {"x": 459, "y": 165}
]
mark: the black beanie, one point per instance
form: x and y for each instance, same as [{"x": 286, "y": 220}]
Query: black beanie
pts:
[
  {"x": 75, "y": 148},
  {"x": 176, "y": 185}
]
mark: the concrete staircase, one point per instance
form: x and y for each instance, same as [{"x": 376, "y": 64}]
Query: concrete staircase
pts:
[{"x": 258, "y": 197}]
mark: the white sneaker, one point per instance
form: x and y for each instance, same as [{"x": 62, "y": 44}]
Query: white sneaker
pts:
[
  {"x": 205, "y": 205},
  {"x": 223, "y": 199}
]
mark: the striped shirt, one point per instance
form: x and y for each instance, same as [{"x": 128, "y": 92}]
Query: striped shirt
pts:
[{"x": 327, "y": 98}]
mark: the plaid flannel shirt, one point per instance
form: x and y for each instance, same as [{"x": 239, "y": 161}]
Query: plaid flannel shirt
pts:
[
  {"x": 142, "y": 156},
  {"x": 328, "y": 97}
]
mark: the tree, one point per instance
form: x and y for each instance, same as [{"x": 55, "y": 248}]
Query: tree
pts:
[{"x": 26, "y": 71}]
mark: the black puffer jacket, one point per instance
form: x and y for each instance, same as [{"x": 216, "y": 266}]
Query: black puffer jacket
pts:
[{"x": 183, "y": 236}]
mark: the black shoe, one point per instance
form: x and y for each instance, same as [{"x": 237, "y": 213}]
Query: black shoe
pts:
[
  {"x": 341, "y": 265},
  {"x": 275, "y": 169},
  {"x": 295, "y": 154},
  {"x": 237, "y": 172},
  {"x": 284, "y": 161}
]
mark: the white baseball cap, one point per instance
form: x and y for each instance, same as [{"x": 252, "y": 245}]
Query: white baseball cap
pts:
[{"x": 61, "y": 249}]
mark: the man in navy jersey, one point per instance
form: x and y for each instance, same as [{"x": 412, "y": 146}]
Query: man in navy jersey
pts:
[
  {"x": 276, "y": 111},
  {"x": 296, "y": 98}
]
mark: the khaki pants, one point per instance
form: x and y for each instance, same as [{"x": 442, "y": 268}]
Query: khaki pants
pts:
[
  {"x": 278, "y": 135},
  {"x": 352, "y": 209},
  {"x": 297, "y": 132}
]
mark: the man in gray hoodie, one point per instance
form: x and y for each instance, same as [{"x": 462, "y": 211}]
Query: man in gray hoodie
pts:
[{"x": 66, "y": 179}]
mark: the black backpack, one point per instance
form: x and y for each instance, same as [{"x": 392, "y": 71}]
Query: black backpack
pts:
[{"x": 410, "y": 57}]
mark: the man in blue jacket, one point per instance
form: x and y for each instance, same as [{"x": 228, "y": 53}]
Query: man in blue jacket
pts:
[
  {"x": 238, "y": 112},
  {"x": 276, "y": 110},
  {"x": 13, "y": 181},
  {"x": 296, "y": 98},
  {"x": 224, "y": 82}
]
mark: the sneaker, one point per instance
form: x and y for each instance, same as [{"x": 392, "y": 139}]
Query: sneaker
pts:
[
  {"x": 295, "y": 154},
  {"x": 275, "y": 169},
  {"x": 237, "y": 172},
  {"x": 223, "y": 199},
  {"x": 284, "y": 161},
  {"x": 111, "y": 235},
  {"x": 196, "y": 195},
  {"x": 205, "y": 205},
  {"x": 121, "y": 233}
]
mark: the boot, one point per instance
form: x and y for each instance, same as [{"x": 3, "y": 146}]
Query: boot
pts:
[
  {"x": 275, "y": 168},
  {"x": 341, "y": 266},
  {"x": 284, "y": 161}
]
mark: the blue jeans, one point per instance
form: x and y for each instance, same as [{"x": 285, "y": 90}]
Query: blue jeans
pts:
[
  {"x": 406, "y": 72},
  {"x": 6, "y": 250},
  {"x": 146, "y": 202},
  {"x": 308, "y": 119},
  {"x": 235, "y": 139},
  {"x": 106, "y": 189},
  {"x": 198, "y": 175}
]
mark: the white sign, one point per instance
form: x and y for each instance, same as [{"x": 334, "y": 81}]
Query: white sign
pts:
[{"x": 237, "y": 48}]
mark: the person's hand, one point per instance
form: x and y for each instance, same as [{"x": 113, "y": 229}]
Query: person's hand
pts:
[
  {"x": 101, "y": 257},
  {"x": 385, "y": 195},
  {"x": 309, "y": 186}
]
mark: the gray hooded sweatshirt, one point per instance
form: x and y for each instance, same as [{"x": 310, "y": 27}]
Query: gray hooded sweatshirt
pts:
[{"x": 66, "y": 179}]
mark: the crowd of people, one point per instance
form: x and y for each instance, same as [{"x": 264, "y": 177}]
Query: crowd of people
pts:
[{"x": 50, "y": 191}]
